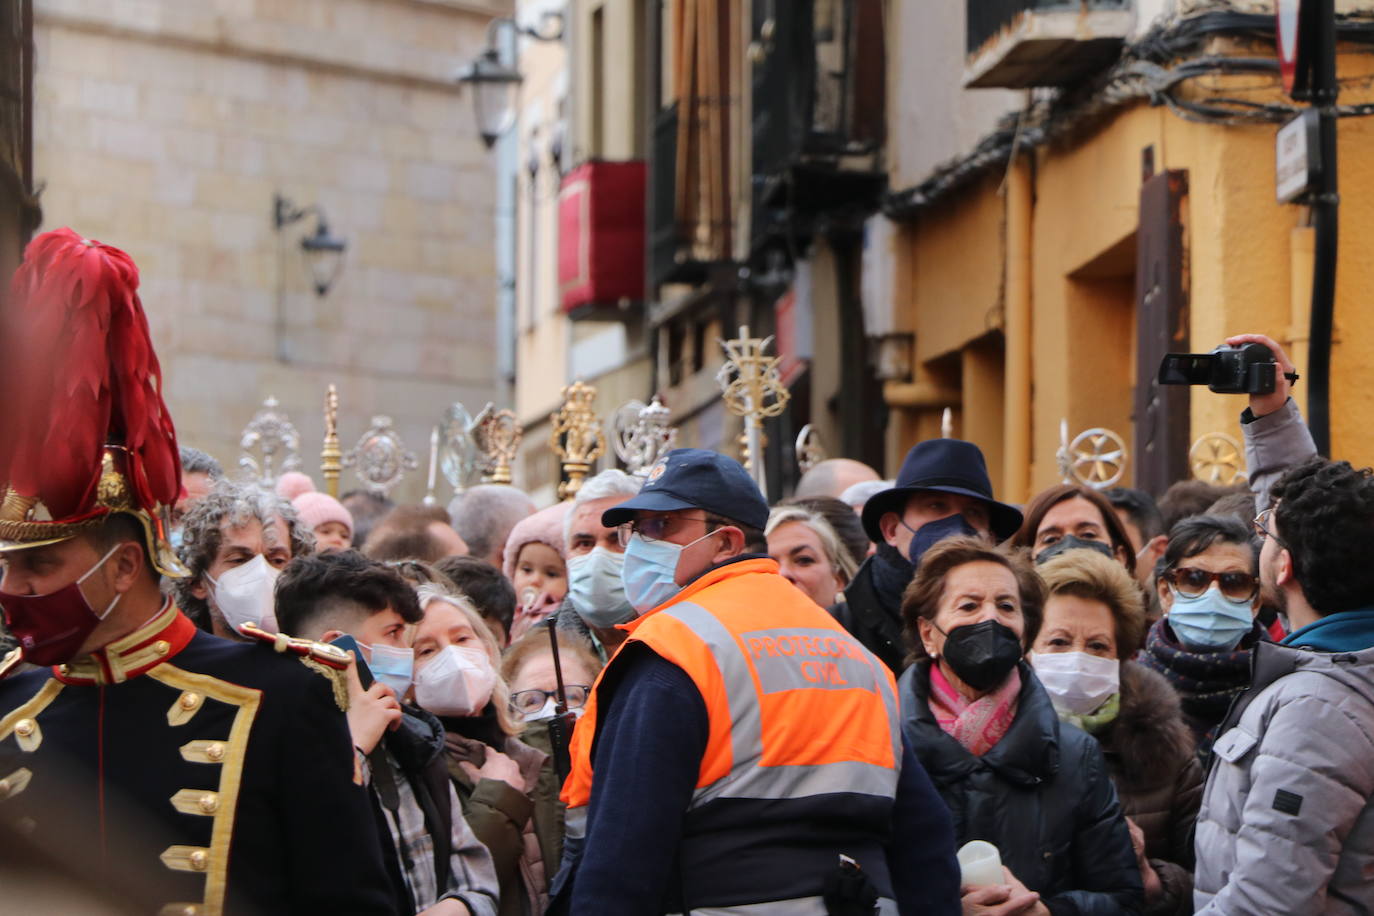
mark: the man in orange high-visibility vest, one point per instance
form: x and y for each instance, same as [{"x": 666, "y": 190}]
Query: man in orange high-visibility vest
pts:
[{"x": 741, "y": 753}]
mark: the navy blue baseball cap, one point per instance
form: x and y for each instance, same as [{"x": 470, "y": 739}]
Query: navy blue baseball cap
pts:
[
  {"x": 695, "y": 478},
  {"x": 948, "y": 466}
]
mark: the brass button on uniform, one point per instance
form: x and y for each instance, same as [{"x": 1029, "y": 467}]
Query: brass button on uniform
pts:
[
  {"x": 209, "y": 803},
  {"x": 162, "y": 647},
  {"x": 189, "y": 700},
  {"x": 24, "y": 728},
  {"x": 215, "y": 751},
  {"x": 198, "y": 860}
]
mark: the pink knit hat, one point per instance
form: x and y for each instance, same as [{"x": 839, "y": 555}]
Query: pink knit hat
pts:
[
  {"x": 293, "y": 484},
  {"x": 317, "y": 508},
  {"x": 544, "y": 527}
]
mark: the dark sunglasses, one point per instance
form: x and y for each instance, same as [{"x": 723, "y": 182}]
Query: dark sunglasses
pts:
[{"x": 1191, "y": 582}]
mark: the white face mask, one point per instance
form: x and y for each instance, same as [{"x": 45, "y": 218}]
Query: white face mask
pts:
[
  {"x": 597, "y": 591},
  {"x": 550, "y": 709},
  {"x": 1078, "y": 683},
  {"x": 456, "y": 682},
  {"x": 246, "y": 594}
]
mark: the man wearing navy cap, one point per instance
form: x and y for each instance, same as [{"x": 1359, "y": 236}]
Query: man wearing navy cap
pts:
[
  {"x": 942, "y": 491},
  {"x": 735, "y": 712}
]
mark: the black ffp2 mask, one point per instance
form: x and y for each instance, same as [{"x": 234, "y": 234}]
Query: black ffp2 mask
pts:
[{"x": 982, "y": 654}]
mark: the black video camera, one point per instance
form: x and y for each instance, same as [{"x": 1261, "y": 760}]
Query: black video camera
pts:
[{"x": 1247, "y": 369}]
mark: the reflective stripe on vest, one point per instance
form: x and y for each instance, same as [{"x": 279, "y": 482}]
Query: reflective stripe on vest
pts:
[
  {"x": 763, "y": 662},
  {"x": 796, "y": 706}
]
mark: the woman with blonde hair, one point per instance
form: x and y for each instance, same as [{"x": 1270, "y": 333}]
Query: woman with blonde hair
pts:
[
  {"x": 457, "y": 678},
  {"x": 528, "y": 667},
  {"x": 1093, "y": 623},
  {"x": 809, "y": 553}
]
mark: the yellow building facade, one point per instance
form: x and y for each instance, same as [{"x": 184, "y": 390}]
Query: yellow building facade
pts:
[{"x": 1020, "y": 286}]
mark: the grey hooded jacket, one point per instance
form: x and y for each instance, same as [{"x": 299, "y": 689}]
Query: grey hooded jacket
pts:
[{"x": 1287, "y": 822}]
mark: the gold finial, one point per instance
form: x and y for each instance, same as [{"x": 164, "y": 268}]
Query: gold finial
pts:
[
  {"x": 576, "y": 439},
  {"x": 1217, "y": 458},
  {"x": 331, "y": 458},
  {"x": 753, "y": 389},
  {"x": 810, "y": 448},
  {"x": 641, "y": 434},
  {"x": 498, "y": 434},
  {"x": 271, "y": 445},
  {"x": 1094, "y": 458}
]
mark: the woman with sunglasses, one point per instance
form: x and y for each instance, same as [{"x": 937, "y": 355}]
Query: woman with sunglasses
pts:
[{"x": 1209, "y": 592}]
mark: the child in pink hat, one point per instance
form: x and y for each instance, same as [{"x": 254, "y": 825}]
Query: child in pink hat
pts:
[
  {"x": 326, "y": 516},
  {"x": 536, "y": 564}
]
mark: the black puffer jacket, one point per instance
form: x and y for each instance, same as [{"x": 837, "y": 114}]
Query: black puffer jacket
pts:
[{"x": 1042, "y": 796}]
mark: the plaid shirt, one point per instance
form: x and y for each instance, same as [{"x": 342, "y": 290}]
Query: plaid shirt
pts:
[{"x": 473, "y": 875}]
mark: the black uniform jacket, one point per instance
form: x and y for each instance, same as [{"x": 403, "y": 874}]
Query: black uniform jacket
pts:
[{"x": 205, "y": 776}]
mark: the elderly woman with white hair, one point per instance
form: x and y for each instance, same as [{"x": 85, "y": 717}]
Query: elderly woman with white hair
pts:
[{"x": 809, "y": 553}]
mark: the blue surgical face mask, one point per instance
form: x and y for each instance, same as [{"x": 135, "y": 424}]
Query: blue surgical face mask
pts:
[
  {"x": 392, "y": 667},
  {"x": 932, "y": 533},
  {"x": 1210, "y": 621},
  {"x": 650, "y": 571},
  {"x": 596, "y": 589}
]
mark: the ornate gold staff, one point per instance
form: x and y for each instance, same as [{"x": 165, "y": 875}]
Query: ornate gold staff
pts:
[
  {"x": 753, "y": 389},
  {"x": 498, "y": 434},
  {"x": 331, "y": 458},
  {"x": 576, "y": 439}
]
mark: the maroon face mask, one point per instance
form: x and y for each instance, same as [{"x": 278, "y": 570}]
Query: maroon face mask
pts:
[{"x": 51, "y": 628}]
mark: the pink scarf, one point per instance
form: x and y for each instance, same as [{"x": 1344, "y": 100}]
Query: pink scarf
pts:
[{"x": 976, "y": 724}]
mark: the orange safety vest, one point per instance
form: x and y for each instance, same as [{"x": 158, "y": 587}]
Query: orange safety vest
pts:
[{"x": 799, "y": 712}]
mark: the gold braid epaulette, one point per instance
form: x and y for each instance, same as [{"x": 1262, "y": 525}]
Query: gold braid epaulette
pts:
[{"x": 329, "y": 661}]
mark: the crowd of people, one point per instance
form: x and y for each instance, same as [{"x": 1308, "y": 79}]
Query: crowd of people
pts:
[{"x": 665, "y": 696}]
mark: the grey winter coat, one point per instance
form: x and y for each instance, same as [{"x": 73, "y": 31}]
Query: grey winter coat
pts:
[
  {"x": 1274, "y": 443},
  {"x": 1287, "y": 824}
]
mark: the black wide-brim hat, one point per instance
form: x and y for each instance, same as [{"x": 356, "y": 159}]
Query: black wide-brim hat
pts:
[{"x": 946, "y": 466}]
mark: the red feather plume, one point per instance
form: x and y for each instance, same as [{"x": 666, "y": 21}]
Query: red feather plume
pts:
[{"x": 77, "y": 371}]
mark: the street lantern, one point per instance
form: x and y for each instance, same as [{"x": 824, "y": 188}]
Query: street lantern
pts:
[
  {"x": 494, "y": 84},
  {"x": 323, "y": 250},
  {"x": 324, "y": 255}
]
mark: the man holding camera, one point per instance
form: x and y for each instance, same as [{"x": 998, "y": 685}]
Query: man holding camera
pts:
[{"x": 1287, "y": 824}]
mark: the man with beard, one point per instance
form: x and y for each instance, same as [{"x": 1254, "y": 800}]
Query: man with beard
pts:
[
  {"x": 1287, "y": 824},
  {"x": 942, "y": 490}
]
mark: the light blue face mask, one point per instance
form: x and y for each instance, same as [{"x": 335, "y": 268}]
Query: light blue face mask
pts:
[
  {"x": 596, "y": 589},
  {"x": 1210, "y": 621},
  {"x": 650, "y": 571},
  {"x": 392, "y": 667}
]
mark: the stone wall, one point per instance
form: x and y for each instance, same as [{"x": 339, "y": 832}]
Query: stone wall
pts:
[{"x": 166, "y": 128}]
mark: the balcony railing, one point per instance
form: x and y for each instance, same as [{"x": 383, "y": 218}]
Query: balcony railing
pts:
[{"x": 1022, "y": 43}]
